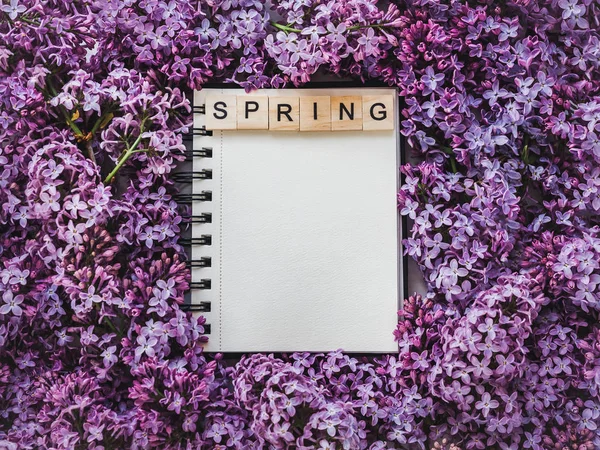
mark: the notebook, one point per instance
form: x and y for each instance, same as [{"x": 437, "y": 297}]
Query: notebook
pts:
[{"x": 296, "y": 234}]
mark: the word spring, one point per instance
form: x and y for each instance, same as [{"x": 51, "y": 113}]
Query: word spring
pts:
[{"x": 300, "y": 113}]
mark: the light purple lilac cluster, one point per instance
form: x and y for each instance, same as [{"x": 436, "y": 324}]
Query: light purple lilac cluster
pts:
[{"x": 501, "y": 103}]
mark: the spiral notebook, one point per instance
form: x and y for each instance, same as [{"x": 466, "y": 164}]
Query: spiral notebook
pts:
[{"x": 295, "y": 235}]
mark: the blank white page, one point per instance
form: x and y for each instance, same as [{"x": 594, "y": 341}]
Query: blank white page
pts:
[{"x": 305, "y": 237}]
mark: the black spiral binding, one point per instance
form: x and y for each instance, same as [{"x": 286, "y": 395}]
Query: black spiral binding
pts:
[
  {"x": 204, "y": 152},
  {"x": 198, "y": 218},
  {"x": 205, "y": 239},
  {"x": 201, "y": 307},
  {"x": 203, "y": 196},
  {"x": 188, "y": 177},
  {"x": 197, "y": 131},
  {"x": 204, "y": 283},
  {"x": 205, "y": 261}
]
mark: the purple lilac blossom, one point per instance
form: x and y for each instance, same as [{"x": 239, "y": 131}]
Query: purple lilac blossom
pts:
[{"x": 501, "y": 104}]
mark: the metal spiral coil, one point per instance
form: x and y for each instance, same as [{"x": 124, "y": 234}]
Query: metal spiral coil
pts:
[
  {"x": 205, "y": 261},
  {"x": 197, "y": 218},
  {"x": 188, "y": 177},
  {"x": 205, "y": 239},
  {"x": 197, "y": 131},
  {"x": 204, "y": 283},
  {"x": 200, "y": 307},
  {"x": 204, "y": 196},
  {"x": 204, "y": 152}
]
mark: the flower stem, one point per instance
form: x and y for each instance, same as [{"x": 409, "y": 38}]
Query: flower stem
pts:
[
  {"x": 122, "y": 161},
  {"x": 102, "y": 121},
  {"x": 375, "y": 25},
  {"x": 285, "y": 28},
  {"x": 112, "y": 327},
  {"x": 73, "y": 125},
  {"x": 289, "y": 29},
  {"x": 525, "y": 151},
  {"x": 125, "y": 156},
  {"x": 90, "y": 150},
  {"x": 65, "y": 113},
  {"x": 30, "y": 22},
  {"x": 451, "y": 157},
  {"x": 453, "y": 164}
]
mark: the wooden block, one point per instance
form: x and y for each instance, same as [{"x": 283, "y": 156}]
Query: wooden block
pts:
[
  {"x": 315, "y": 113},
  {"x": 378, "y": 112},
  {"x": 221, "y": 112},
  {"x": 252, "y": 112},
  {"x": 346, "y": 113},
  {"x": 284, "y": 113}
]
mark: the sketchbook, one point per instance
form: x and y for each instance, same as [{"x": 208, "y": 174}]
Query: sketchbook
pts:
[{"x": 295, "y": 234}]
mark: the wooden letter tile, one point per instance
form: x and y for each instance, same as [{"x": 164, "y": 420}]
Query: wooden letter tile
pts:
[
  {"x": 346, "y": 113},
  {"x": 284, "y": 113},
  {"x": 221, "y": 112},
  {"x": 252, "y": 112},
  {"x": 315, "y": 113},
  {"x": 378, "y": 112}
]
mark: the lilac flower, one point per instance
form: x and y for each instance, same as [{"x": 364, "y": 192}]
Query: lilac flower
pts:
[
  {"x": 532, "y": 441},
  {"x": 449, "y": 275},
  {"x": 17, "y": 276},
  {"x": 486, "y": 404},
  {"x": 53, "y": 170},
  {"x": 420, "y": 360},
  {"x": 336, "y": 33},
  {"x": 13, "y": 9},
  {"x": 570, "y": 7},
  {"x": 189, "y": 423},
  {"x": 148, "y": 236},
  {"x": 94, "y": 433},
  {"x": 369, "y": 42},
  {"x": 431, "y": 80},
  {"x": 505, "y": 364},
  {"x": 507, "y": 30},
  {"x": 50, "y": 199},
  {"x": 63, "y": 338},
  {"x": 145, "y": 346},
  {"x": 90, "y": 297},
  {"x": 282, "y": 432},
  {"x": 74, "y": 205},
  {"x": 217, "y": 431},
  {"x": 74, "y": 232},
  {"x": 108, "y": 356},
  {"x": 11, "y": 303},
  {"x": 495, "y": 93},
  {"x": 21, "y": 216},
  {"x": 176, "y": 403}
]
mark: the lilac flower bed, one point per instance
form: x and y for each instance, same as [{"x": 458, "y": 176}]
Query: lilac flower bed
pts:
[{"x": 502, "y": 104}]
